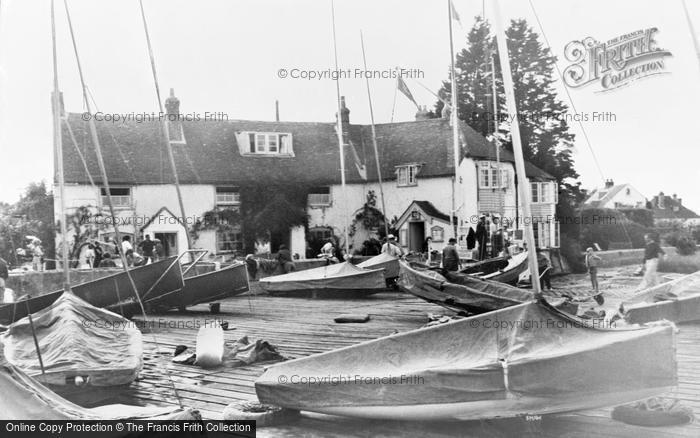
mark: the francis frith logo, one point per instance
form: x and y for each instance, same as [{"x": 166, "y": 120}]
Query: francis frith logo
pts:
[{"x": 616, "y": 62}]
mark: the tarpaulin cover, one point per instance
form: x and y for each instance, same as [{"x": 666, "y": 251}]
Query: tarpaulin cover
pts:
[
  {"x": 510, "y": 274},
  {"x": 461, "y": 292},
  {"x": 486, "y": 266},
  {"x": 645, "y": 305},
  {"x": 341, "y": 276},
  {"x": 23, "y": 398},
  {"x": 385, "y": 261},
  {"x": 76, "y": 339},
  {"x": 522, "y": 359}
]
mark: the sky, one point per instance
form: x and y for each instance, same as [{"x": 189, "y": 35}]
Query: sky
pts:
[{"x": 225, "y": 56}]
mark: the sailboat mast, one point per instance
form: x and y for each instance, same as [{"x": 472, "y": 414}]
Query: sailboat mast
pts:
[
  {"x": 341, "y": 143},
  {"x": 58, "y": 150},
  {"x": 523, "y": 186},
  {"x": 374, "y": 138},
  {"x": 455, "y": 126}
]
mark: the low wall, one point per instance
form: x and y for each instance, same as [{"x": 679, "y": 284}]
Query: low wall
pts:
[
  {"x": 35, "y": 283},
  {"x": 624, "y": 257}
]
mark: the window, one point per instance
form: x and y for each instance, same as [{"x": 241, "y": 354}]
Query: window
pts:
[
  {"x": 320, "y": 196},
  {"x": 437, "y": 234},
  {"x": 229, "y": 241},
  {"x": 228, "y": 196},
  {"x": 491, "y": 177},
  {"x": 544, "y": 192},
  {"x": 267, "y": 143},
  {"x": 121, "y": 197},
  {"x": 321, "y": 234},
  {"x": 406, "y": 175}
]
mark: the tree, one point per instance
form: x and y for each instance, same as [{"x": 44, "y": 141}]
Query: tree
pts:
[{"x": 547, "y": 142}]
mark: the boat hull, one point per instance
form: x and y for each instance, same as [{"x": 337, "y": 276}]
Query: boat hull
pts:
[
  {"x": 684, "y": 308},
  {"x": 525, "y": 359},
  {"x": 474, "y": 296}
]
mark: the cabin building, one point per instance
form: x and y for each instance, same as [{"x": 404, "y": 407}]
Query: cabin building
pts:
[{"x": 220, "y": 164}]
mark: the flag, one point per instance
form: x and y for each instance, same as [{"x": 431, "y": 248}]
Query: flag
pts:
[
  {"x": 361, "y": 168},
  {"x": 403, "y": 88},
  {"x": 455, "y": 15}
]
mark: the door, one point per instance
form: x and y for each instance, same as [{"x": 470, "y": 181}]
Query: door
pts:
[
  {"x": 416, "y": 236},
  {"x": 279, "y": 238},
  {"x": 169, "y": 243}
]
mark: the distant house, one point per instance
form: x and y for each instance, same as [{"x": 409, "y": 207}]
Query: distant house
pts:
[
  {"x": 669, "y": 211},
  {"x": 615, "y": 197},
  {"x": 214, "y": 159}
]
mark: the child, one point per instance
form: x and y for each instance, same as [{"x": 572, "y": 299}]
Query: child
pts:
[{"x": 592, "y": 262}]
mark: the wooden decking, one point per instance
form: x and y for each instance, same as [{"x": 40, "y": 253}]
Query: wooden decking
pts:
[{"x": 300, "y": 327}]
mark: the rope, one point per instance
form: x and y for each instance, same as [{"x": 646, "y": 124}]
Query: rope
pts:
[
  {"x": 100, "y": 161},
  {"x": 80, "y": 153}
]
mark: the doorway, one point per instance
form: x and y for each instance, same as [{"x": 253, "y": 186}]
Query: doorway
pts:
[
  {"x": 169, "y": 242},
  {"x": 279, "y": 238},
  {"x": 416, "y": 236}
]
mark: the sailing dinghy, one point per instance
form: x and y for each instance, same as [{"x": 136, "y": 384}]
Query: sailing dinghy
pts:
[
  {"x": 528, "y": 358},
  {"x": 677, "y": 300},
  {"x": 459, "y": 292},
  {"x": 385, "y": 261},
  {"x": 330, "y": 281},
  {"x": 75, "y": 339}
]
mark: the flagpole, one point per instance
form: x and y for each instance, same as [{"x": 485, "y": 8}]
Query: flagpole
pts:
[
  {"x": 455, "y": 127},
  {"x": 523, "y": 186},
  {"x": 393, "y": 105},
  {"x": 692, "y": 31},
  {"x": 374, "y": 138},
  {"x": 341, "y": 144}
]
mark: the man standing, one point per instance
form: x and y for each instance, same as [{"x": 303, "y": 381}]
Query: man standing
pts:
[
  {"x": 592, "y": 262},
  {"x": 391, "y": 248},
  {"x": 128, "y": 250},
  {"x": 652, "y": 251},
  {"x": 37, "y": 256},
  {"x": 481, "y": 237},
  {"x": 147, "y": 246},
  {"x": 450, "y": 256},
  {"x": 4, "y": 275},
  {"x": 284, "y": 258}
]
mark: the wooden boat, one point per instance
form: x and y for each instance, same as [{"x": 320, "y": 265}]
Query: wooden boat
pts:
[
  {"x": 487, "y": 266},
  {"x": 206, "y": 287},
  {"x": 75, "y": 339},
  {"x": 677, "y": 300},
  {"x": 387, "y": 262},
  {"x": 459, "y": 292},
  {"x": 331, "y": 281},
  {"x": 113, "y": 292},
  {"x": 524, "y": 359},
  {"x": 509, "y": 274}
]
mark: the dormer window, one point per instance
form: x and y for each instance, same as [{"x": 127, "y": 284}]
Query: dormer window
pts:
[
  {"x": 265, "y": 143},
  {"x": 492, "y": 177},
  {"x": 406, "y": 175}
]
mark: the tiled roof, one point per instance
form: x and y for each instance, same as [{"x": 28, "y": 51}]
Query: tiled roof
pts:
[
  {"x": 608, "y": 194},
  {"x": 673, "y": 209},
  {"x": 430, "y": 210},
  {"x": 134, "y": 152}
]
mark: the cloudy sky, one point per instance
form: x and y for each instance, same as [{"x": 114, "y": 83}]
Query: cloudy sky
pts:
[{"x": 225, "y": 56}]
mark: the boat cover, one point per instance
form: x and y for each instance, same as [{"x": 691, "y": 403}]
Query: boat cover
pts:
[
  {"x": 340, "y": 276},
  {"x": 23, "y": 398},
  {"x": 486, "y": 266},
  {"x": 516, "y": 265},
  {"x": 528, "y": 358},
  {"x": 460, "y": 291},
  {"x": 76, "y": 339},
  {"x": 677, "y": 300},
  {"x": 385, "y": 261}
]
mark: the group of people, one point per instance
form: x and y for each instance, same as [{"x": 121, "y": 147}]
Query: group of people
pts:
[
  {"x": 98, "y": 255},
  {"x": 490, "y": 238}
]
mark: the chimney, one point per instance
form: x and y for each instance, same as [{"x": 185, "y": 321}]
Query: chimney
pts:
[
  {"x": 675, "y": 197},
  {"x": 662, "y": 200},
  {"x": 277, "y": 110},
  {"x": 344, "y": 112},
  {"x": 680, "y": 201},
  {"x": 609, "y": 183},
  {"x": 422, "y": 113},
  {"x": 172, "y": 104}
]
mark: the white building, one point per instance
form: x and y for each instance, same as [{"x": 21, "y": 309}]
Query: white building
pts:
[
  {"x": 221, "y": 164},
  {"x": 616, "y": 196}
]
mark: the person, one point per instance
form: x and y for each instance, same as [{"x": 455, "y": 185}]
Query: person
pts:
[
  {"x": 98, "y": 254},
  {"x": 481, "y": 237},
  {"x": 90, "y": 255},
  {"x": 592, "y": 262},
  {"x": 4, "y": 275},
  {"x": 391, "y": 248},
  {"x": 146, "y": 247},
  {"x": 159, "y": 251},
  {"x": 128, "y": 250},
  {"x": 251, "y": 266},
  {"x": 284, "y": 258},
  {"x": 107, "y": 261},
  {"x": 427, "y": 248},
  {"x": 545, "y": 265},
  {"x": 450, "y": 256},
  {"x": 652, "y": 251},
  {"x": 37, "y": 256},
  {"x": 328, "y": 252}
]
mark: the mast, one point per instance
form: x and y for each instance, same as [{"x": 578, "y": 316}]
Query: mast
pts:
[
  {"x": 454, "y": 118},
  {"x": 339, "y": 129},
  {"x": 166, "y": 131},
  {"x": 523, "y": 186},
  {"x": 696, "y": 44},
  {"x": 58, "y": 150},
  {"x": 496, "y": 141},
  {"x": 374, "y": 138}
]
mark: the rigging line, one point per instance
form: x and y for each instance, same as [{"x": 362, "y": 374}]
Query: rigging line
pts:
[
  {"x": 103, "y": 170},
  {"x": 580, "y": 123},
  {"x": 164, "y": 126},
  {"x": 80, "y": 153},
  {"x": 566, "y": 90}
]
